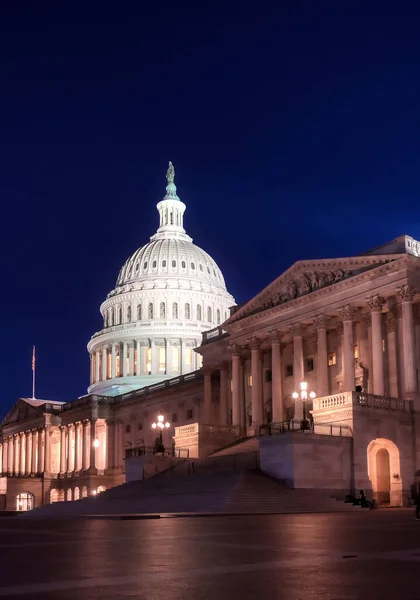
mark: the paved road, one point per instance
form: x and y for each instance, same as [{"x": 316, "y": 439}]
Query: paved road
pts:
[{"x": 371, "y": 554}]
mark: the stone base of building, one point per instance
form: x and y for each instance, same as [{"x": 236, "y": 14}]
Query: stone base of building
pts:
[{"x": 198, "y": 441}]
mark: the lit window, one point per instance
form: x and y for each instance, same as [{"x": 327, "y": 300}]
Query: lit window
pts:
[
  {"x": 383, "y": 346},
  {"x": 189, "y": 357},
  {"x": 187, "y": 311},
  {"x": 288, "y": 371},
  {"x": 199, "y": 314},
  {"x": 175, "y": 359},
  {"x": 332, "y": 359},
  {"x": 162, "y": 360},
  {"x": 24, "y": 502},
  {"x": 148, "y": 360},
  {"x": 249, "y": 380},
  {"x": 150, "y": 311},
  {"x": 117, "y": 364},
  {"x": 175, "y": 310},
  {"x": 218, "y": 316},
  {"x": 356, "y": 351},
  {"x": 162, "y": 310},
  {"x": 209, "y": 314},
  {"x": 108, "y": 366},
  {"x": 200, "y": 361}
]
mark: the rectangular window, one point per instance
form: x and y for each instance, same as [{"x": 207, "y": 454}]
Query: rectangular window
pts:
[
  {"x": 189, "y": 413},
  {"x": 188, "y": 357},
  {"x": 127, "y": 428},
  {"x": 309, "y": 364},
  {"x": 249, "y": 380},
  {"x": 148, "y": 360},
  {"x": 162, "y": 360},
  {"x": 174, "y": 417},
  {"x": 268, "y": 376},
  {"x": 139, "y": 426},
  {"x": 332, "y": 359},
  {"x": 175, "y": 359},
  {"x": 356, "y": 351},
  {"x": 288, "y": 371}
]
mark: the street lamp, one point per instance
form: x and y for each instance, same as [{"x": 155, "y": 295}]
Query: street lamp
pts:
[
  {"x": 303, "y": 396},
  {"x": 160, "y": 424}
]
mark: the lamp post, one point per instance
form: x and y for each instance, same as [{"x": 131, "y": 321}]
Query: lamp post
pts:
[
  {"x": 160, "y": 425},
  {"x": 303, "y": 397}
]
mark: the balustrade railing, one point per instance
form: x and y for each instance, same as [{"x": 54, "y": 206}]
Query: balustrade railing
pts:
[
  {"x": 152, "y": 451},
  {"x": 331, "y": 429},
  {"x": 384, "y": 402}
]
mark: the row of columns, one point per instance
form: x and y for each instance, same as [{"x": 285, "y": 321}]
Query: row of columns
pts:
[
  {"x": 29, "y": 452},
  {"x": 376, "y": 303},
  {"x": 133, "y": 360}
]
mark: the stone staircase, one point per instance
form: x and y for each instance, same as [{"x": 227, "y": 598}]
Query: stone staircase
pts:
[
  {"x": 222, "y": 492},
  {"x": 248, "y": 444}
]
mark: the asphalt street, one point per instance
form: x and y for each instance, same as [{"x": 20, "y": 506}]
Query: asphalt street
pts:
[{"x": 341, "y": 556}]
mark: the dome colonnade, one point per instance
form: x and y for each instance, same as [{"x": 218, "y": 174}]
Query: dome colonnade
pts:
[{"x": 167, "y": 293}]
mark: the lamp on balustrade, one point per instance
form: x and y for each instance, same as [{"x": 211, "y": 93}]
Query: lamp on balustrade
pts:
[
  {"x": 303, "y": 397},
  {"x": 160, "y": 425}
]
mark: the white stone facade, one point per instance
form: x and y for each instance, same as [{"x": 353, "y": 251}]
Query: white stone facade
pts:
[{"x": 168, "y": 292}]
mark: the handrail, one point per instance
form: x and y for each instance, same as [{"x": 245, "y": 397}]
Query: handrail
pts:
[{"x": 332, "y": 429}]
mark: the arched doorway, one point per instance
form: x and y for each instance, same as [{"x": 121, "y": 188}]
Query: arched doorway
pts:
[
  {"x": 101, "y": 488},
  {"x": 76, "y": 493},
  {"x": 54, "y": 496},
  {"x": 84, "y": 492},
  {"x": 383, "y": 458},
  {"x": 24, "y": 501},
  {"x": 69, "y": 495}
]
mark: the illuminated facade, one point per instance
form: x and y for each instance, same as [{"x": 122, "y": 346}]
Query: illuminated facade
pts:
[{"x": 167, "y": 293}]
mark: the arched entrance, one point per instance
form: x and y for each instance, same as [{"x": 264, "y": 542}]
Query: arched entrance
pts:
[
  {"x": 54, "y": 497},
  {"x": 383, "y": 458},
  {"x": 24, "y": 501}
]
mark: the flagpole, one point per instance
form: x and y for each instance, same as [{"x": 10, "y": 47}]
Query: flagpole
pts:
[{"x": 33, "y": 373}]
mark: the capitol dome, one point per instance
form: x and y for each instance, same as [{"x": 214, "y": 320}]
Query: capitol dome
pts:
[{"x": 167, "y": 293}]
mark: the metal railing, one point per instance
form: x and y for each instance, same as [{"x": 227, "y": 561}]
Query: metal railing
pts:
[
  {"x": 331, "y": 429},
  {"x": 152, "y": 451}
]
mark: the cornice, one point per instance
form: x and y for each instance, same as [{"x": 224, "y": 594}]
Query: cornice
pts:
[{"x": 395, "y": 265}]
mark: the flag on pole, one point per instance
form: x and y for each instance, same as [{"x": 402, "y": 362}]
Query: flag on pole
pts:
[{"x": 33, "y": 372}]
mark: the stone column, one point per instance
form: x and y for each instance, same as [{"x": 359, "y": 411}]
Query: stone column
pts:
[
  {"x": 376, "y": 303},
  {"x": 97, "y": 366},
  {"x": 347, "y": 314},
  {"x": 40, "y": 467},
  {"x": 69, "y": 450},
  {"x": 131, "y": 358},
  {"x": 143, "y": 370},
  {"x": 236, "y": 385},
  {"x": 123, "y": 360},
  {"x": 207, "y": 416},
  {"x": 168, "y": 357},
  {"x": 298, "y": 370},
  {"x": 15, "y": 469},
  {"x": 183, "y": 367},
  {"x": 223, "y": 406},
  {"x": 110, "y": 443},
  {"x": 256, "y": 389},
  {"x": 92, "y": 369},
  {"x": 138, "y": 362},
  {"x": 85, "y": 425},
  {"x": 276, "y": 379},
  {"x": 117, "y": 443},
  {"x": 392, "y": 355},
  {"x": 10, "y": 454},
  {"x": 76, "y": 447},
  {"x": 34, "y": 448},
  {"x": 47, "y": 445},
  {"x": 22, "y": 439},
  {"x": 104, "y": 364},
  {"x": 113, "y": 361},
  {"x": 406, "y": 295},
  {"x": 63, "y": 465},
  {"x": 28, "y": 457},
  {"x": 153, "y": 350},
  {"x": 323, "y": 388},
  {"x": 4, "y": 463}
]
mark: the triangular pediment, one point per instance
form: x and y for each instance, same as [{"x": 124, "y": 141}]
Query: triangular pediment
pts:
[
  {"x": 307, "y": 277},
  {"x": 24, "y": 409}
]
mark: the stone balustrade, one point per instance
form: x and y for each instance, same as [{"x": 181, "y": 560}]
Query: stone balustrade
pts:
[{"x": 353, "y": 398}]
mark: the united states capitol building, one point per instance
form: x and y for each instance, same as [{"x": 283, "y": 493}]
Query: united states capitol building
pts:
[{"x": 174, "y": 344}]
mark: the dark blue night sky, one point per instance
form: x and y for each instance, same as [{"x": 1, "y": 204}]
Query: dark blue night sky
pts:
[{"x": 294, "y": 128}]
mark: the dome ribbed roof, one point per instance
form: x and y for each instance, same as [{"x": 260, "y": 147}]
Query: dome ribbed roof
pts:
[{"x": 171, "y": 257}]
